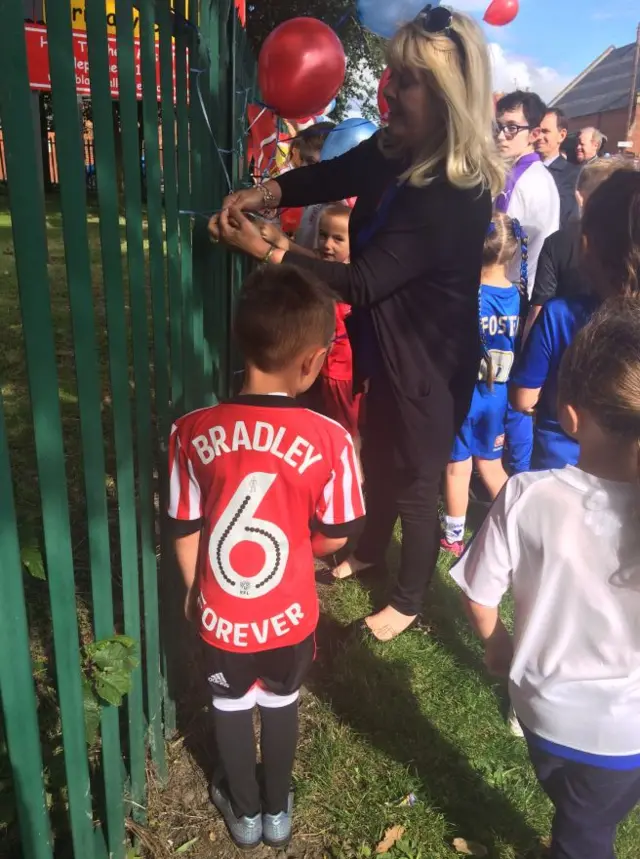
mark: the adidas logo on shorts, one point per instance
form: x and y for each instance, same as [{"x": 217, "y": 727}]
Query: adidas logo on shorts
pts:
[{"x": 218, "y": 680}]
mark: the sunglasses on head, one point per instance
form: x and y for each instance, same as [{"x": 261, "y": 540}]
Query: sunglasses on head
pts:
[{"x": 439, "y": 19}]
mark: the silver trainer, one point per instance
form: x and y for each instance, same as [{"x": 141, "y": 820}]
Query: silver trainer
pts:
[
  {"x": 245, "y": 832},
  {"x": 276, "y": 828}
]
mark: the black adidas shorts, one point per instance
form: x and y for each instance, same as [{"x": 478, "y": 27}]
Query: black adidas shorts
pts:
[{"x": 281, "y": 671}]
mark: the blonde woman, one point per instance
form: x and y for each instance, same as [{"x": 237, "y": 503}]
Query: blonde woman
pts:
[{"x": 424, "y": 186}]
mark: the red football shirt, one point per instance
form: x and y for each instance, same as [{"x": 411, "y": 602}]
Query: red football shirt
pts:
[
  {"x": 259, "y": 471},
  {"x": 339, "y": 362}
]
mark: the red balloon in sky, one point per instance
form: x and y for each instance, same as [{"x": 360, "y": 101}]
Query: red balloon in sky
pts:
[
  {"x": 502, "y": 12},
  {"x": 300, "y": 68},
  {"x": 383, "y": 105}
]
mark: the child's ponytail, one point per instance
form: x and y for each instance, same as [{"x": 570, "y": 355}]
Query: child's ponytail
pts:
[{"x": 523, "y": 238}]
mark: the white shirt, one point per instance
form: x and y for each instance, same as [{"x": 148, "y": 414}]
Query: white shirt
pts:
[
  {"x": 535, "y": 202},
  {"x": 569, "y": 545},
  {"x": 307, "y": 232}
]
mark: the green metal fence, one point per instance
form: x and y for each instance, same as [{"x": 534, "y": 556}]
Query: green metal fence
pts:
[{"x": 136, "y": 311}]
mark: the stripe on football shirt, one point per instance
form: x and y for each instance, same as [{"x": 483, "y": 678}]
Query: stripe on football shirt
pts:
[
  {"x": 327, "y": 515},
  {"x": 195, "y": 497}
]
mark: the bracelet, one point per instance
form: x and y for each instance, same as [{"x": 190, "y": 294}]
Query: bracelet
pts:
[
  {"x": 268, "y": 197},
  {"x": 267, "y": 257}
]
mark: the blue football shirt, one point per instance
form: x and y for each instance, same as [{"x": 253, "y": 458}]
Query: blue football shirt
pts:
[
  {"x": 555, "y": 328},
  {"x": 499, "y": 318}
]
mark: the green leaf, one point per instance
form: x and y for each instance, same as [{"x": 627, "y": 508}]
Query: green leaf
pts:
[
  {"x": 108, "y": 690},
  {"x": 117, "y": 677},
  {"x": 187, "y": 845},
  {"x": 91, "y": 712},
  {"x": 32, "y": 562}
]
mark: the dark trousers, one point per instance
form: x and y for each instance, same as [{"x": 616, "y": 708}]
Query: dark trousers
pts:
[
  {"x": 589, "y": 803},
  {"x": 237, "y": 749},
  {"x": 394, "y": 490}
]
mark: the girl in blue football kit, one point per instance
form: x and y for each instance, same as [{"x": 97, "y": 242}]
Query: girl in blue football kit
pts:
[
  {"x": 481, "y": 438},
  {"x": 611, "y": 242}
]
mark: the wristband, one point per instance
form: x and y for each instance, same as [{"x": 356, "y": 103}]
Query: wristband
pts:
[
  {"x": 268, "y": 197},
  {"x": 267, "y": 257}
]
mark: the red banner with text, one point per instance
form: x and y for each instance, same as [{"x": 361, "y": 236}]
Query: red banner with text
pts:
[{"x": 38, "y": 62}]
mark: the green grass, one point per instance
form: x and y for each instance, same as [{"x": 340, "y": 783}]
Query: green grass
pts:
[{"x": 419, "y": 715}]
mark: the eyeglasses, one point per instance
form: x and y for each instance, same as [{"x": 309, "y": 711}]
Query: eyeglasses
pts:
[
  {"x": 510, "y": 130},
  {"x": 439, "y": 19}
]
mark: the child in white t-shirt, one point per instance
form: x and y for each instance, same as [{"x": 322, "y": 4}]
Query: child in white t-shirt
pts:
[{"x": 568, "y": 543}]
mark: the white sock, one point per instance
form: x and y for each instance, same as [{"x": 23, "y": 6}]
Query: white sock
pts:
[{"x": 454, "y": 528}]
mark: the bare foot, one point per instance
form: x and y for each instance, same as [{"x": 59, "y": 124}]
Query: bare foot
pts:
[
  {"x": 389, "y": 623},
  {"x": 349, "y": 568}
]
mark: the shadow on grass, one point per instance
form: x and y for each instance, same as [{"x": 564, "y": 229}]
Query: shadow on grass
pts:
[{"x": 373, "y": 695}]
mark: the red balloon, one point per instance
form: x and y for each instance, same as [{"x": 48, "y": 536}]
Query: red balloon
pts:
[
  {"x": 300, "y": 68},
  {"x": 383, "y": 105},
  {"x": 502, "y": 12}
]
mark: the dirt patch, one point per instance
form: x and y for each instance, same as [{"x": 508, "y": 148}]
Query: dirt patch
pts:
[{"x": 181, "y": 811}]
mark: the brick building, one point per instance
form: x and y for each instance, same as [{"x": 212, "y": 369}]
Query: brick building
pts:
[{"x": 606, "y": 95}]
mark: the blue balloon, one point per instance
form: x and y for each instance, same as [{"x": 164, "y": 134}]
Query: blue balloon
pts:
[
  {"x": 384, "y": 18},
  {"x": 345, "y": 136},
  {"x": 330, "y": 107}
]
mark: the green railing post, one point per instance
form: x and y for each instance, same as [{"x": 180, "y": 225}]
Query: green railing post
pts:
[
  {"x": 172, "y": 232},
  {"x": 184, "y": 59},
  {"x": 28, "y": 225},
  {"x": 17, "y": 692},
  {"x": 111, "y": 255},
  {"x": 161, "y": 368},
  {"x": 79, "y": 277}
]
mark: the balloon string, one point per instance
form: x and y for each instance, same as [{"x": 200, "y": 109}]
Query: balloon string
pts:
[
  {"x": 344, "y": 19},
  {"x": 326, "y": 131},
  {"x": 198, "y": 73}
]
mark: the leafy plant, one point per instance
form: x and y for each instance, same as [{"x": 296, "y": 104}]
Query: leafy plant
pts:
[
  {"x": 33, "y": 563},
  {"x": 107, "y": 667}
]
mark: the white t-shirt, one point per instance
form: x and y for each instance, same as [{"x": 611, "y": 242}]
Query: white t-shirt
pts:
[
  {"x": 307, "y": 232},
  {"x": 568, "y": 544},
  {"x": 535, "y": 202}
]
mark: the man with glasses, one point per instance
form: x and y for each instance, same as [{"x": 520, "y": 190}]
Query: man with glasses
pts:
[{"x": 530, "y": 194}]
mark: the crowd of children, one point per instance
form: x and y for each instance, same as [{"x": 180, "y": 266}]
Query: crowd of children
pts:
[{"x": 261, "y": 484}]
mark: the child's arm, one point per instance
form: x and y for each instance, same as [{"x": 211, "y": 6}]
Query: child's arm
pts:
[
  {"x": 186, "y": 549},
  {"x": 484, "y": 575},
  {"x": 498, "y": 646},
  {"x": 524, "y": 399},
  {"x": 185, "y": 515},
  {"x": 533, "y": 367},
  {"x": 323, "y": 546},
  {"x": 340, "y": 510}
]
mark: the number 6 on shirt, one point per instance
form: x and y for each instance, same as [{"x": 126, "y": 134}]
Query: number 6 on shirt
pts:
[{"x": 238, "y": 524}]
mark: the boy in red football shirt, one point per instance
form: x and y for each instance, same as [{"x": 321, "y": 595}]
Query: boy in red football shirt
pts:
[{"x": 258, "y": 486}]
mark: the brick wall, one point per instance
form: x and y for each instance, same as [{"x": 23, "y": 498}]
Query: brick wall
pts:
[{"x": 614, "y": 125}]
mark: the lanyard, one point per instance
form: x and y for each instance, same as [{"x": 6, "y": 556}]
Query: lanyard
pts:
[
  {"x": 379, "y": 216},
  {"x": 519, "y": 169}
]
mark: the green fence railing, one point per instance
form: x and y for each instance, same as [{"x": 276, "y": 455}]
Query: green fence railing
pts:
[{"x": 115, "y": 317}]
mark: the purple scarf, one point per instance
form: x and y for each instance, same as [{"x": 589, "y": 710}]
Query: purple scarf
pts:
[{"x": 519, "y": 168}]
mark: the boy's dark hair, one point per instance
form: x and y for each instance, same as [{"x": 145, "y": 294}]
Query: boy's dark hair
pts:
[
  {"x": 533, "y": 108},
  {"x": 311, "y": 140},
  {"x": 282, "y": 310},
  {"x": 561, "y": 118},
  {"x": 611, "y": 233}
]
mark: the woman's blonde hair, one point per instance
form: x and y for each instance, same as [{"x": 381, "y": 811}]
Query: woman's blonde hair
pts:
[{"x": 463, "y": 142}]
